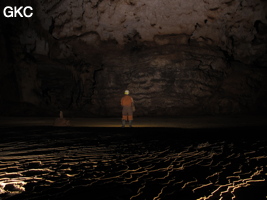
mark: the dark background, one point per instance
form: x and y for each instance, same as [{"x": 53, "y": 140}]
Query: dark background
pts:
[{"x": 176, "y": 58}]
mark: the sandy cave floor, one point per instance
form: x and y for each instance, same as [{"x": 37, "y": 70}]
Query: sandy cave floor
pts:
[{"x": 188, "y": 122}]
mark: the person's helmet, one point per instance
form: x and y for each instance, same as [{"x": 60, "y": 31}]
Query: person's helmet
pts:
[{"x": 126, "y": 92}]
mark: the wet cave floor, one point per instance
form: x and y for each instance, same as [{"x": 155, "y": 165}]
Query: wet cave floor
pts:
[{"x": 46, "y": 162}]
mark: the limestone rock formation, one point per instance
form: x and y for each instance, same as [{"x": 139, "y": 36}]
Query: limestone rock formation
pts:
[{"x": 176, "y": 57}]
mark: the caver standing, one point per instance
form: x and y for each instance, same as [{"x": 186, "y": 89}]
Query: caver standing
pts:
[{"x": 127, "y": 104}]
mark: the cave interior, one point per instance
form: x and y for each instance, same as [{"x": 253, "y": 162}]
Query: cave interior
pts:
[{"x": 176, "y": 57}]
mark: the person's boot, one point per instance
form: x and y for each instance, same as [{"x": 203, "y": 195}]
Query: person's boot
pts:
[
  {"x": 130, "y": 123},
  {"x": 123, "y": 123}
]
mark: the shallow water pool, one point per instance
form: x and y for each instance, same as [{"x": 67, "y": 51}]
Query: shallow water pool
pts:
[{"x": 138, "y": 163}]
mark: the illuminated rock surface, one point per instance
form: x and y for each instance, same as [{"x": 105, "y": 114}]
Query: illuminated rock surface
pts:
[{"x": 176, "y": 57}]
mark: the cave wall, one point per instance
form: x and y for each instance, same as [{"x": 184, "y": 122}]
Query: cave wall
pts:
[
  {"x": 176, "y": 57},
  {"x": 171, "y": 80}
]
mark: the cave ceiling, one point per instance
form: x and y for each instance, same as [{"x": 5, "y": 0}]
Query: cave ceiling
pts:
[{"x": 174, "y": 56}]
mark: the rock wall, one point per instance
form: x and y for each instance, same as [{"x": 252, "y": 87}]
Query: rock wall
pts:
[
  {"x": 236, "y": 26},
  {"x": 176, "y": 57},
  {"x": 171, "y": 80}
]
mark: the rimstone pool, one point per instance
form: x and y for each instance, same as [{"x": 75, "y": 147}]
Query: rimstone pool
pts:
[{"x": 44, "y": 162}]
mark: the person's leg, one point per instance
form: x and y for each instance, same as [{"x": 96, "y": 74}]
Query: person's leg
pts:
[
  {"x": 130, "y": 123},
  {"x": 130, "y": 115},
  {"x": 123, "y": 123},
  {"x": 127, "y": 114},
  {"x": 124, "y": 117},
  {"x": 130, "y": 118}
]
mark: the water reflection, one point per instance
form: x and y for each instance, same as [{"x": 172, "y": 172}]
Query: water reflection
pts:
[{"x": 67, "y": 165}]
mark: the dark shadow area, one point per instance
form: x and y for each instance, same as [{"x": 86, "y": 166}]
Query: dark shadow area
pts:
[{"x": 132, "y": 163}]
